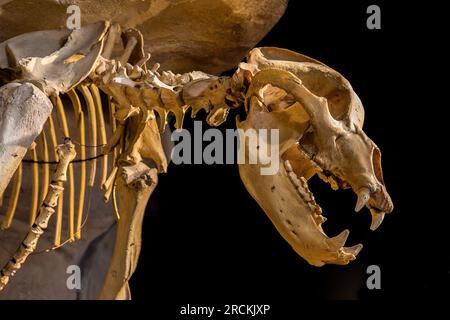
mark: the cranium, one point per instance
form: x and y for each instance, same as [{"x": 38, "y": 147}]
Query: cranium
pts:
[{"x": 320, "y": 120}]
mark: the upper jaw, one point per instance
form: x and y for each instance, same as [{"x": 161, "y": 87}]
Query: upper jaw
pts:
[{"x": 370, "y": 194}]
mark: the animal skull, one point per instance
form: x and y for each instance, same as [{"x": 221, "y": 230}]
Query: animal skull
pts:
[{"x": 320, "y": 118}]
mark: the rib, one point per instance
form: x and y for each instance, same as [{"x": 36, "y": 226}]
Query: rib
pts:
[
  {"x": 102, "y": 129},
  {"x": 34, "y": 186},
  {"x": 59, "y": 209},
  {"x": 46, "y": 167},
  {"x": 65, "y": 128},
  {"x": 92, "y": 131},
  {"x": 14, "y": 198},
  {"x": 79, "y": 118},
  {"x": 113, "y": 126}
]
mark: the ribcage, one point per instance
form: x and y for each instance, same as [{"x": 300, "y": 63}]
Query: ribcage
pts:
[{"x": 84, "y": 115}]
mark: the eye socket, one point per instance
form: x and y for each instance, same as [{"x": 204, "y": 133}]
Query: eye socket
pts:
[{"x": 376, "y": 163}]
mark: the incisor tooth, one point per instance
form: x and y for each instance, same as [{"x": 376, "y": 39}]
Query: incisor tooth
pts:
[{"x": 320, "y": 219}]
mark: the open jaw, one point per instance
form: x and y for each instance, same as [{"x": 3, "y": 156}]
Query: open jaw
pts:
[{"x": 286, "y": 199}]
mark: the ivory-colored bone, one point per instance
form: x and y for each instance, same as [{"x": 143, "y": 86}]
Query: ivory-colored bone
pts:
[
  {"x": 79, "y": 118},
  {"x": 319, "y": 130},
  {"x": 132, "y": 42},
  {"x": 14, "y": 198},
  {"x": 113, "y": 125},
  {"x": 92, "y": 118},
  {"x": 61, "y": 114},
  {"x": 45, "y": 156},
  {"x": 66, "y": 153},
  {"x": 132, "y": 199},
  {"x": 58, "y": 71},
  {"x": 113, "y": 35},
  {"x": 102, "y": 129},
  {"x": 34, "y": 186},
  {"x": 109, "y": 184},
  {"x": 24, "y": 109},
  {"x": 50, "y": 127},
  {"x": 317, "y": 113}
]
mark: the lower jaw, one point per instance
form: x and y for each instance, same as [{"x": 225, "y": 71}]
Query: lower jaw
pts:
[{"x": 290, "y": 205}]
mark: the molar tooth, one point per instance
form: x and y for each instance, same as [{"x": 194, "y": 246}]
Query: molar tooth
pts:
[
  {"x": 320, "y": 219},
  {"x": 294, "y": 178},
  {"x": 288, "y": 166}
]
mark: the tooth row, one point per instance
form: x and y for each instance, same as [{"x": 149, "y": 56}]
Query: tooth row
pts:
[{"x": 304, "y": 193}]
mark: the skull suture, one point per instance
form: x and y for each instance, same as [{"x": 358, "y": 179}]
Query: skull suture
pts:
[{"x": 318, "y": 115}]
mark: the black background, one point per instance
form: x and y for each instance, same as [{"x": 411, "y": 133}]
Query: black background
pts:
[{"x": 206, "y": 241}]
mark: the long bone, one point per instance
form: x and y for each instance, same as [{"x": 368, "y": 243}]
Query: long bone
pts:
[{"x": 66, "y": 154}]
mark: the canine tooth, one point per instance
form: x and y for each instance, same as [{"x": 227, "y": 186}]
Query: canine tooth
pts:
[
  {"x": 354, "y": 250},
  {"x": 377, "y": 219},
  {"x": 363, "y": 197},
  {"x": 288, "y": 166},
  {"x": 339, "y": 240}
]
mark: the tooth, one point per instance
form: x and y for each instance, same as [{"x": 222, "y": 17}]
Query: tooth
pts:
[
  {"x": 363, "y": 197},
  {"x": 354, "y": 250},
  {"x": 340, "y": 239},
  {"x": 288, "y": 166},
  {"x": 320, "y": 219},
  {"x": 294, "y": 179},
  {"x": 377, "y": 219}
]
